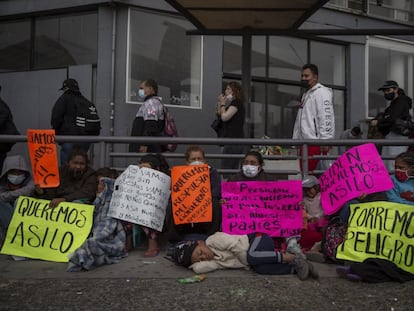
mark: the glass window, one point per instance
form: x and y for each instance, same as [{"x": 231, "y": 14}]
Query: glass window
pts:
[
  {"x": 66, "y": 40},
  {"x": 159, "y": 48},
  {"x": 14, "y": 46},
  {"x": 286, "y": 57},
  {"x": 388, "y": 60},
  {"x": 276, "y": 105},
  {"x": 232, "y": 54},
  {"x": 259, "y": 56},
  {"x": 330, "y": 59}
]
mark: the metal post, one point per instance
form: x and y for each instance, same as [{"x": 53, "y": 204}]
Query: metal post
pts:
[
  {"x": 247, "y": 73},
  {"x": 305, "y": 167}
]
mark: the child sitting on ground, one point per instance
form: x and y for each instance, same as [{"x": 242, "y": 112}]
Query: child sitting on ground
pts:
[{"x": 255, "y": 250}]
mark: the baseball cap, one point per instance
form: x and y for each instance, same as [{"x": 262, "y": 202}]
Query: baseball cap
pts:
[
  {"x": 310, "y": 181},
  {"x": 71, "y": 84},
  {"x": 388, "y": 84}
]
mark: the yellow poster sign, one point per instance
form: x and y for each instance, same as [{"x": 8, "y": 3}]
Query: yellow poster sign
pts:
[
  {"x": 383, "y": 230},
  {"x": 40, "y": 232}
]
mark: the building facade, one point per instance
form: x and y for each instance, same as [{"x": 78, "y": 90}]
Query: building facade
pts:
[{"x": 109, "y": 46}]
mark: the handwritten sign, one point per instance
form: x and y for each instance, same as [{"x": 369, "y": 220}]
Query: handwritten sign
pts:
[
  {"x": 383, "y": 230},
  {"x": 191, "y": 194},
  {"x": 141, "y": 196},
  {"x": 267, "y": 207},
  {"x": 43, "y": 156},
  {"x": 40, "y": 232},
  {"x": 359, "y": 170}
]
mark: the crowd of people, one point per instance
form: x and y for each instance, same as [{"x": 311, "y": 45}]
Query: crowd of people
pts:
[{"x": 203, "y": 247}]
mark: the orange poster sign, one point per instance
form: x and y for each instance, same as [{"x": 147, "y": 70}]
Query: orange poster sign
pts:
[
  {"x": 43, "y": 156},
  {"x": 191, "y": 194}
]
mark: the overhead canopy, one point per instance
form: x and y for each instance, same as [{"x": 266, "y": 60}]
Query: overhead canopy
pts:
[
  {"x": 277, "y": 17},
  {"x": 241, "y": 15}
]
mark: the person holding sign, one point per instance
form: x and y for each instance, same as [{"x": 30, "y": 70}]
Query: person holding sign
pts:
[
  {"x": 255, "y": 250},
  {"x": 152, "y": 161},
  {"x": 194, "y": 155},
  {"x": 77, "y": 182},
  {"x": 252, "y": 168},
  {"x": 15, "y": 180},
  {"x": 403, "y": 191}
]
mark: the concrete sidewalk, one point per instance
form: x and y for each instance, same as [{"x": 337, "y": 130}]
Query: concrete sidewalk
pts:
[{"x": 135, "y": 265}]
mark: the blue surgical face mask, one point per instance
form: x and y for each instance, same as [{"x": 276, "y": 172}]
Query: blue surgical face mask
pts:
[
  {"x": 141, "y": 93},
  {"x": 16, "y": 179}
]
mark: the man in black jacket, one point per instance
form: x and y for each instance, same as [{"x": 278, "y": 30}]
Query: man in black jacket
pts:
[
  {"x": 64, "y": 117},
  {"x": 397, "y": 110},
  {"x": 7, "y": 127}
]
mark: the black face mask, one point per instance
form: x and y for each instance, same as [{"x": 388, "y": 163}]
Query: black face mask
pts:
[
  {"x": 304, "y": 84},
  {"x": 76, "y": 174},
  {"x": 389, "y": 96}
]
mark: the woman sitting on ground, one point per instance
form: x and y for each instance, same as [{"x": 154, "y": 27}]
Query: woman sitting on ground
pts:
[{"x": 77, "y": 182}]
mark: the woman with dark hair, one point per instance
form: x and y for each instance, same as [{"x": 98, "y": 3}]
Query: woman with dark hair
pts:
[
  {"x": 252, "y": 168},
  {"x": 78, "y": 181},
  {"x": 232, "y": 112}
]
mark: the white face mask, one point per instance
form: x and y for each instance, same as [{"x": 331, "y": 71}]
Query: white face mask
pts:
[
  {"x": 229, "y": 97},
  {"x": 196, "y": 163},
  {"x": 16, "y": 179},
  {"x": 250, "y": 170}
]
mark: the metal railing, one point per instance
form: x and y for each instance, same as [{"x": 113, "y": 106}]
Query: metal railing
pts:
[{"x": 104, "y": 156}]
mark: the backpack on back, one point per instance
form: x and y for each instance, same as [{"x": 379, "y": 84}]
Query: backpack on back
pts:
[
  {"x": 87, "y": 118},
  {"x": 170, "y": 129}
]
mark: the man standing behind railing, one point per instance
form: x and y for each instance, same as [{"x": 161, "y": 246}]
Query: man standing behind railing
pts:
[{"x": 315, "y": 118}]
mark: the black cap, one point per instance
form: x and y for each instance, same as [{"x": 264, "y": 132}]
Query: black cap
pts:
[
  {"x": 183, "y": 252},
  {"x": 71, "y": 84},
  {"x": 388, "y": 84}
]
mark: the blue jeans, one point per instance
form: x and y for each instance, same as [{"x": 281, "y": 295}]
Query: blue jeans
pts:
[{"x": 66, "y": 150}]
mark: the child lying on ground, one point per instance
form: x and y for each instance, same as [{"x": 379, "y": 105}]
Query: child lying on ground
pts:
[{"x": 255, "y": 250}]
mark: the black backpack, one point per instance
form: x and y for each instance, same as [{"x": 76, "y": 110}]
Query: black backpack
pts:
[{"x": 87, "y": 118}]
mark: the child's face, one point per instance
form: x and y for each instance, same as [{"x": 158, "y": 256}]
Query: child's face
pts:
[
  {"x": 201, "y": 253},
  {"x": 310, "y": 192}
]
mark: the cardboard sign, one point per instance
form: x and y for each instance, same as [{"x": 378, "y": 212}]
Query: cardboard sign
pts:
[
  {"x": 268, "y": 207},
  {"x": 141, "y": 196},
  {"x": 43, "y": 156},
  {"x": 40, "y": 232},
  {"x": 383, "y": 230},
  {"x": 359, "y": 170},
  {"x": 191, "y": 194}
]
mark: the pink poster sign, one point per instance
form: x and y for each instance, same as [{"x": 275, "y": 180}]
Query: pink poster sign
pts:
[
  {"x": 357, "y": 171},
  {"x": 262, "y": 206}
]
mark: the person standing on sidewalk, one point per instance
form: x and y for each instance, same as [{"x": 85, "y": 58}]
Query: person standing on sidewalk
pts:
[
  {"x": 397, "y": 110},
  {"x": 63, "y": 118},
  {"x": 315, "y": 118}
]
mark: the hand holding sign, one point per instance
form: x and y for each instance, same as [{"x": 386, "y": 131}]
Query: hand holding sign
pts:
[
  {"x": 43, "y": 156},
  {"x": 359, "y": 170}
]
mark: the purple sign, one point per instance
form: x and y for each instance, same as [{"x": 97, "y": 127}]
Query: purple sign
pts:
[
  {"x": 262, "y": 206},
  {"x": 357, "y": 171}
]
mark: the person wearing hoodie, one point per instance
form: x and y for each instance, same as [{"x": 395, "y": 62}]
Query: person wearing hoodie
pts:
[
  {"x": 315, "y": 118},
  {"x": 78, "y": 182},
  {"x": 63, "y": 118},
  {"x": 15, "y": 180}
]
